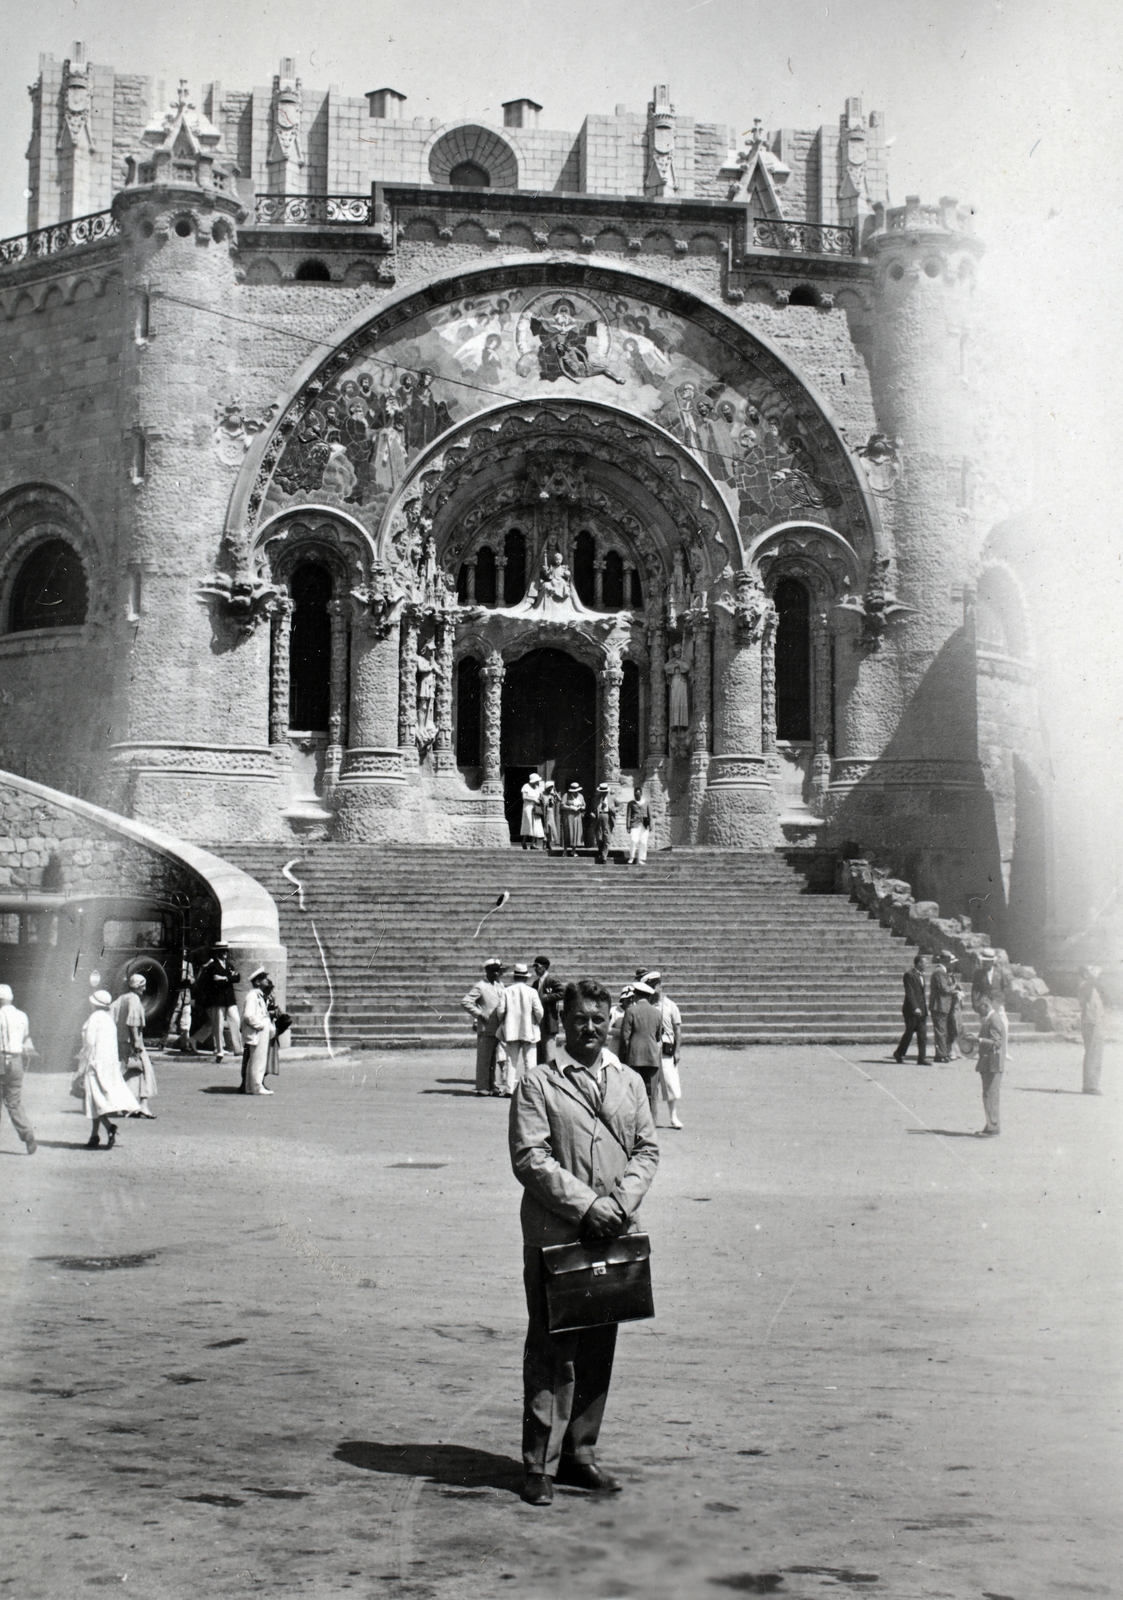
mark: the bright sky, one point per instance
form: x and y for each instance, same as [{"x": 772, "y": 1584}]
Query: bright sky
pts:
[{"x": 1013, "y": 107}]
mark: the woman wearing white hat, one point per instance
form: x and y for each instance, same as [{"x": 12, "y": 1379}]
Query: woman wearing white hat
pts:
[
  {"x": 98, "y": 1082},
  {"x": 532, "y": 830}
]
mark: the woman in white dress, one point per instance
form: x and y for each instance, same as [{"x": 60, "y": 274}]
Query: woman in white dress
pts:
[
  {"x": 98, "y": 1081},
  {"x": 531, "y": 829}
]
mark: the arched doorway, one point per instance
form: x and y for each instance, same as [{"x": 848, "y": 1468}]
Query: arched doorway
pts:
[
  {"x": 310, "y": 649},
  {"x": 549, "y": 725},
  {"x": 793, "y": 661}
]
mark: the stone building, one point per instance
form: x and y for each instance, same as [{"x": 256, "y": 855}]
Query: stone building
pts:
[{"x": 356, "y": 464}]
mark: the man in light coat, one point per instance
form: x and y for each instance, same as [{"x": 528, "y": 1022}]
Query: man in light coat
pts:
[
  {"x": 583, "y": 1147},
  {"x": 521, "y": 1027},
  {"x": 485, "y": 1003},
  {"x": 15, "y": 1047}
]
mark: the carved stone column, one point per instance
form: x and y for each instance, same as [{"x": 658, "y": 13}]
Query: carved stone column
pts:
[
  {"x": 657, "y": 710},
  {"x": 822, "y": 652},
  {"x": 407, "y": 682},
  {"x": 470, "y": 581},
  {"x": 740, "y": 807},
  {"x": 702, "y": 628},
  {"x": 370, "y": 796},
  {"x": 598, "y": 583},
  {"x": 443, "y": 758},
  {"x": 340, "y": 613},
  {"x": 611, "y": 677},
  {"x": 500, "y": 578},
  {"x": 492, "y": 673},
  {"x": 280, "y": 641},
  {"x": 768, "y": 683}
]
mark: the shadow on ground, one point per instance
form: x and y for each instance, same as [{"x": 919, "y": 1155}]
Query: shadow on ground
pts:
[{"x": 442, "y": 1463}]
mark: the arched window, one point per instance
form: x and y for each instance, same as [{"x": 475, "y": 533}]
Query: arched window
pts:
[
  {"x": 469, "y": 175},
  {"x": 462, "y": 584},
  {"x": 584, "y": 578},
  {"x": 793, "y": 660},
  {"x": 468, "y": 712},
  {"x": 804, "y": 294},
  {"x": 310, "y": 649},
  {"x": 613, "y": 589},
  {"x": 312, "y": 272},
  {"x": 514, "y": 574},
  {"x": 629, "y": 717},
  {"x": 485, "y": 576},
  {"x": 636, "y": 601},
  {"x": 50, "y": 589}
]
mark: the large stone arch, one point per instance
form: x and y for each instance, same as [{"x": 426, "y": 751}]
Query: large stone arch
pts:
[{"x": 361, "y": 410}]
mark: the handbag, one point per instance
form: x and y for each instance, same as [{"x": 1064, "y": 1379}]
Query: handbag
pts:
[{"x": 593, "y": 1285}]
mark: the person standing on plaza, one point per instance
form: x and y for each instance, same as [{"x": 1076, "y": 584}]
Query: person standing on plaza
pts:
[
  {"x": 15, "y": 1047},
  {"x": 616, "y": 1019},
  {"x": 668, "y": 1082},
  {"x": 1093, "y": 1020},
  {"x": 521, "y": 1028},
  {"x": 217, "y": 978},
  {"x": 573, "y": 819},
  {"x": 551, "y": 817},
  {"x": 941, "y": 997},
  {"x": 605, "y": 821},
  {"x": 988, "y": 981},
  {"x": 136, "y": 1068},
  {"x": 991, "y": 1061},
  {"x": 915, "y": 1013},
  {"x": 951, "y": 961},
  {"x": 531, "y": 829},
  {"x": 485, "y": 1003},
  {"x": 638, "y": 822},
  {"x": 583, "y": 1147},
  {"x": 641, "y": 1039},
  {"x": 257, "y": 1032},
  {"x": 549, "y": 991},
  {"x": 179, "y": 1018},
  {"x": 98, "y": 1082}
]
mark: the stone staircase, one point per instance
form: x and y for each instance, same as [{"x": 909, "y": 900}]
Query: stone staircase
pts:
[{"x": 753, "y": 946}]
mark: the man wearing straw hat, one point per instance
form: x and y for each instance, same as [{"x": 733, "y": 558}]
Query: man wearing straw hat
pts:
[
  {"x": 941, "y": 997},
  {"x": 486, "y": 1003},
  {"x": 521, "y": 1027}
]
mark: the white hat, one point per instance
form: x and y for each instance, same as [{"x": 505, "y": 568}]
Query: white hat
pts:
[
  {"x": 101, "y": 997},
  {"x": 6, "y": 995},
  {"x": 643, "y": 988},
  {"x": 988, "y": 954},
  {"x": 653, "y": 977},
  {"x": 259, "y": 972},
  {"x": 520, "y": 970}
]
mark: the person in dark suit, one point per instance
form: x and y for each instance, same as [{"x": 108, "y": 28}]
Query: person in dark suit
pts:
[
  {"x": 915, "y": 1013},
  {"x": 583, "y": 1147},
  {"x": 641, "y": 1038},
  {"x": 941, "y": 998}
]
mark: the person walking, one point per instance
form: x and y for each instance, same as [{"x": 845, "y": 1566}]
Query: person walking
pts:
[
  {"x": 98, "y": 1082},
  {"x": 485, "y": 1003},
  {"x": 521, "y": 1028},
  {"x": 941, "y": 997},
  {"x": 1092, "y": 1028},
  {"x": 217, "y": 978},
  {"x": 531, "y": 829},
  {"x": 551, "y": 817},
  {"x": 915, "y": 1013},
  {"x": 136, "y": 1068},
  {"x": 15, "y": 1047},
  {"x": 257, "y": 1032},
  {"x": 583, "y": 1147},
  {"x": 573, "y": 818},
  {"x": 991, "y": 1061},
  {"x": 605, "y": 821},
  {"x": 638, "y": 822},
  {"x": 179, "y": 1018},
  {"x": 668, "y": 1082},
  {"x": 641, "y": 1039}
]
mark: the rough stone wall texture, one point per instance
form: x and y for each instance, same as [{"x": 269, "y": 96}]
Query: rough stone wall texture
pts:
[
  {"x": 712, "y": 141},
  {"x": 132, "y": 110},
  {"x": 798, "y": 148}
]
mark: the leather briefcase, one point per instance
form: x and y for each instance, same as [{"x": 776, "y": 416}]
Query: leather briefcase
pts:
[{"x": 592, "y": 1285}]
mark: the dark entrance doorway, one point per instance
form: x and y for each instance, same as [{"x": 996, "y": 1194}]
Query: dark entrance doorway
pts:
[
  {"x": 549, "y": 726},
  {"x": 793, "y": 660}
]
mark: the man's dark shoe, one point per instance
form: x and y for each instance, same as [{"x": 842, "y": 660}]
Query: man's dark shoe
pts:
[
  {"x": 32, "y": 1145},
  {"x": 584, "y": 1475},
  {"x": 537, "y": 1489}
]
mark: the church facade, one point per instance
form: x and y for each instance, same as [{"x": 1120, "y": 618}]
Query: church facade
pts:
[{"x": 357, "y": 465}]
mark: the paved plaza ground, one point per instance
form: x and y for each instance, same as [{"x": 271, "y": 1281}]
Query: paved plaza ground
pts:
[{"x": 886, "y": 1359}]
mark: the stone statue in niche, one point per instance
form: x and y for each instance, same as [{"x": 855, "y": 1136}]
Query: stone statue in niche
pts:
[
  {"x": 881, "y": 457},
  {"x": 425, "y": 668},
  {"x": 678, "y": 669},
  {"x": 554, "y": 580}
]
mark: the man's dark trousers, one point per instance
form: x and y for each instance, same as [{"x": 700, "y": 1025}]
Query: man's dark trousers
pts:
[
  {"x": 918, "y": 1026},
  {"x": 565, "y": 1381}
]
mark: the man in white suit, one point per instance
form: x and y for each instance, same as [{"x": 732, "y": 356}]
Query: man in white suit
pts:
[{"x": 521, "y": 1027}]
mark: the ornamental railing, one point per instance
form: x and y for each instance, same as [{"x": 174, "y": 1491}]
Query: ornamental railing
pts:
[
  {"x": 301, "y": 209},
  {"x": 59, "y": 237},
  {"x": 804, "y": 238}
]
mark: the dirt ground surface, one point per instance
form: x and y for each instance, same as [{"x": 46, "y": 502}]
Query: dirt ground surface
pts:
[{"x": 885, "y": 1361}]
